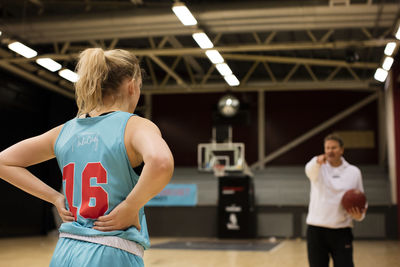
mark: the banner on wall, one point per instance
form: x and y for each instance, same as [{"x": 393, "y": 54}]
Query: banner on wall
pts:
[{"x": 176, "y": 195}]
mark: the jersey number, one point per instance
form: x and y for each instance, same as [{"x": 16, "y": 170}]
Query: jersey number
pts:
[{"x": 97, "y": 194}]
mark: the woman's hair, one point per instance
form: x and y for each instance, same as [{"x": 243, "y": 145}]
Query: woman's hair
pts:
[
  {"x": 334, "y": 137},
  {"x": 101, "y": 73}
]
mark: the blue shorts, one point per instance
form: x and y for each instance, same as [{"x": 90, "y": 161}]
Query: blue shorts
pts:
[{"x": 77, "y": 253}]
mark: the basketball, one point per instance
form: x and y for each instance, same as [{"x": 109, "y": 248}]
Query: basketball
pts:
[{"x": 354, "y": 198}]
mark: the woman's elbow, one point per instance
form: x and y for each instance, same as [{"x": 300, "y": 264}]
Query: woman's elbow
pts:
[
  {"x": 163, "y": 163},
  {"x": 166, "y": 164},
  {"x": 2, "y": 165}
]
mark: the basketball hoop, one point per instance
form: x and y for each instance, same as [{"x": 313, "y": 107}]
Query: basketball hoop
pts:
[{"x": 219, "y": 170}]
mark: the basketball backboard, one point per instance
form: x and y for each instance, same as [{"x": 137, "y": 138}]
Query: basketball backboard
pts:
[{"x": 231, "y": 155}]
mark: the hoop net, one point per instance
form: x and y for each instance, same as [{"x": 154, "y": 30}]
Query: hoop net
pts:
[{"x": 219, "y": 170}]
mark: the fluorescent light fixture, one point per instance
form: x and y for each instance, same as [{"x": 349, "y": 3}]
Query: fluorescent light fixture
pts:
[
  {"x": 224, "y": 69},
  {"x": 389, "y": 49},
  {"x": 214, "y": 56},
  {"x": 202, "y": 40},
  {"x": 49, "y": 64},
  {"x": 69, "y": 75},
  {"x": 232, "y": 80},
  {"x": 22, "y": 49},
  {"x": 380, "y": 74},
  {"x": 398, "y": 33},
  {"x": 184, "y": 14},
  {"x": 387, "y": 63}
]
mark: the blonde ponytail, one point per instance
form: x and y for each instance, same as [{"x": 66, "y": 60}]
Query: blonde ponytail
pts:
[
  {"x": 101, "y": 73},
  {"x": 92, "y": 70}
]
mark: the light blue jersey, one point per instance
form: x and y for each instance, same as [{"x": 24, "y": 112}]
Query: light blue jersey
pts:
[{"x": 97, "y": 174}]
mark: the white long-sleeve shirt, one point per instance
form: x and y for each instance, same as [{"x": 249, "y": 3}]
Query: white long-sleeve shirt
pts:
[{"x": 328, "y": 185}]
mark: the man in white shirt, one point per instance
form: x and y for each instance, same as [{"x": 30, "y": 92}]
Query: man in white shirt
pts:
[{"x": 329, "y": 229}]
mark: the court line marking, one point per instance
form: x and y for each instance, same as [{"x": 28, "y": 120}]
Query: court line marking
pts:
[{"x": 272, "y": 250}]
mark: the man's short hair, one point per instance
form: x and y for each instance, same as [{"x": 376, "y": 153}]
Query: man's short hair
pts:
[{"x": 334, "y": 137}]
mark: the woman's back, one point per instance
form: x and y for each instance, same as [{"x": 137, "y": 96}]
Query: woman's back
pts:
[{"x": 97, "y": 174}]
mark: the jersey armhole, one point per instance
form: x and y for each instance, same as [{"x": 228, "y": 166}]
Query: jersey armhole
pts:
[{"x": 123, "y": 141}]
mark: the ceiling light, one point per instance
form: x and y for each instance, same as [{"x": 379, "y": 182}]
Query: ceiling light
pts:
[
  {"x": 398, "y": 33},
  {"x": 389, "y": 49},
  {"x": 232, "y": 80},
  {"x": 22, "y": 49},
  {"x": 224, "y": 69},
  {"x": 184, "y": 14},
  {"x": 387, "y": 63},
  {"x": 69, "y": 75},
  {"x": 49, "y": 64},
  {"x": 380, "y": 74},
  {"x": 214, "y": 56},
  {"x": 202, "y": 40}
]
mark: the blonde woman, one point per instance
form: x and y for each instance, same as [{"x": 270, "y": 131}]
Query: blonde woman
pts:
[{"x": 102, "y": 205}]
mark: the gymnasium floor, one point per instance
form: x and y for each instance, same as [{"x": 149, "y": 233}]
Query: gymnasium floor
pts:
[{"x": 37, "y": 251}]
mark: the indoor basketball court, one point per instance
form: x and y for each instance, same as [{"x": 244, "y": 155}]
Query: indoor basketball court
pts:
[{"x": 244, "y": 93}]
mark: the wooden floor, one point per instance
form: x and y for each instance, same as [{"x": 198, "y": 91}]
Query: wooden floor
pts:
[{"x": 37, "y": 251}]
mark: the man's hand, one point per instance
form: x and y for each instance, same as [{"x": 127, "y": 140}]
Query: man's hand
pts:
[
  {"x": 120, "y": 218},
  {"x": 65, "y": 215},
  {"x": 321, "y": 159},
  {"x": 356, "y": 213}
]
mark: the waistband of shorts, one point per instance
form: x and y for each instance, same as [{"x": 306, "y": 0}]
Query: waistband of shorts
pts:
[
  {"x": 111, "y": 241},
  {"x": 328, "y": 228}
]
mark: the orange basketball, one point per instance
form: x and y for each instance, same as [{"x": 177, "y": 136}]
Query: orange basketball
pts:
[{"x": 354, "y": 198}]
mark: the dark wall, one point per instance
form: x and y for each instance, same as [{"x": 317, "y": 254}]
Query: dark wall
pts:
[
  {"x": 27, "y": 110},
  {"x": 202, "y": 221},
  {"x": 186, "y": 120},
  {"x": 291, "y": 114}
]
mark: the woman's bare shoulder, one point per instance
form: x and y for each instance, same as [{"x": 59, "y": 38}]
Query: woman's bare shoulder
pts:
[{"x": 137, "y": 123}]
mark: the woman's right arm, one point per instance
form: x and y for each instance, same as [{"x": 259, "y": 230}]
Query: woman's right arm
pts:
[
  {"x": 15, "y": 160},
  {"x": 144, "y": 139}
]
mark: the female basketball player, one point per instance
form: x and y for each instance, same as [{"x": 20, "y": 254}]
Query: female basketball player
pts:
[{"x": 102, "y": 205}]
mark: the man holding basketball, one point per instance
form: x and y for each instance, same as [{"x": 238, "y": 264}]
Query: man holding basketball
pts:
[{"x": 329, "y": 229}]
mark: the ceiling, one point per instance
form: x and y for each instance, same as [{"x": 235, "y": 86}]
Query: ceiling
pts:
[{"x": 269, "y": 45}]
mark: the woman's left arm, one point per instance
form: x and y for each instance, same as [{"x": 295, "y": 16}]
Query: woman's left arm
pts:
[{"x": 15, "y": 159}]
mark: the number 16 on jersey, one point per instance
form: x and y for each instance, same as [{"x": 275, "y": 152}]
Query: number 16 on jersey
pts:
[{"x": 94, "y": 199}]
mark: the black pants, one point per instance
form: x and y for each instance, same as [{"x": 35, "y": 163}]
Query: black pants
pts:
[{"x": 322, "y": 242}]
